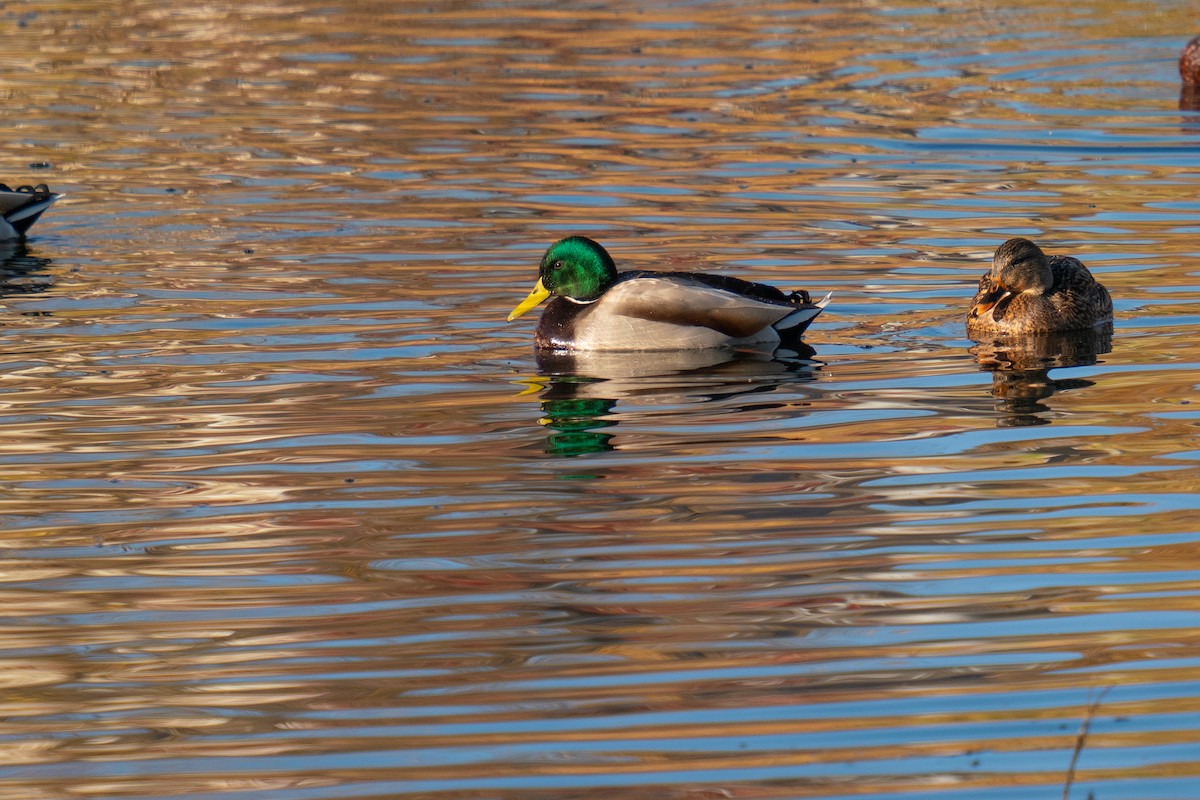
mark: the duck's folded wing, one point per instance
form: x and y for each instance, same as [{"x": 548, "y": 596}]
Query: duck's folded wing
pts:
[{"x": 679, "y": 301}]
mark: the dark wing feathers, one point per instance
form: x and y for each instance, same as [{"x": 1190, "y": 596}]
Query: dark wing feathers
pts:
[
  {"x": 745, "y": 308},
  {"x": 725, "y": 283},
  {"x": 1076, "y": 295}
]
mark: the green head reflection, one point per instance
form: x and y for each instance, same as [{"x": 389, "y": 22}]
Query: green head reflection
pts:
[{"x": 576, "y": 424}]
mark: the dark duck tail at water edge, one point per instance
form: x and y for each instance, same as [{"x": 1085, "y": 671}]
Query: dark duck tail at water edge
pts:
[{"x": 21, "y": 207}]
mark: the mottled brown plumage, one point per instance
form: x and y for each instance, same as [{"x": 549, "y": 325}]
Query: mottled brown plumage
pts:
[
  {"x": 1027, "y": 291},
  {"x": 1189, "y": 63}
]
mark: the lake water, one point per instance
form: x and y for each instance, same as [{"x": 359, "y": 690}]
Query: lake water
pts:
[{"x": 289, "y": 512}]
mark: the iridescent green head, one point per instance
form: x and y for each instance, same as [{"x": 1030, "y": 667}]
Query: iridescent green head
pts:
[{"x": 576, "y": 268}]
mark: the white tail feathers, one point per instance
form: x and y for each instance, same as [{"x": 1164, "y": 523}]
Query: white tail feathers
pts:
[
  {"x": 30, "y": 210},
  {"x": 802, "y": 316}
]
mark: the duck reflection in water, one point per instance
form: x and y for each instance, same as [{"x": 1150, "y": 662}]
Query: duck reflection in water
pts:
[
  {"x": 581, "y": 390},
  {"x": 21, "y": 272},
  {"x": 1020, "y": 368}
]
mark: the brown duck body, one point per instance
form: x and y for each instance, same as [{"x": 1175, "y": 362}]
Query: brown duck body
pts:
[
  {"x": 646, "y": 310},
  {"x": 1189, "y": 73},
  {"x": 1189, "y": 63},
  {"x": 1074, "y": 300}
]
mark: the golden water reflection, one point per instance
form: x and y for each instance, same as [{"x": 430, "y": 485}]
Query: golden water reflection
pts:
[{"x": 288, "y": 511}]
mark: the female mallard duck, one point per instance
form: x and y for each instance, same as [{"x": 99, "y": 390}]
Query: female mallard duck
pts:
[
  {"x": 21, "y": 207},
  {"x": 1027, "y": 291},
  {"x": 596, "y": 308}
]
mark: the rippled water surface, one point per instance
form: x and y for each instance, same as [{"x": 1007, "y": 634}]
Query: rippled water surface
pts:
[{"x": 291, "y": 513}]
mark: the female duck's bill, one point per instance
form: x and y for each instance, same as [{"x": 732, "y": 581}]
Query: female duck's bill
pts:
[
  {"x": 21, "y": 207},
  {"x": 594, "y": 307}
]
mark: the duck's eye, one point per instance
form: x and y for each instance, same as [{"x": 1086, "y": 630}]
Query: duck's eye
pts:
[{"x": 557, "y": 265}]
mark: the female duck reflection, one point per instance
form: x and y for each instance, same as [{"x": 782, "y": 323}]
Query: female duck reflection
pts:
[
  {"x": 1020, "y": 370},
  {"x": 580, "y": 390}
]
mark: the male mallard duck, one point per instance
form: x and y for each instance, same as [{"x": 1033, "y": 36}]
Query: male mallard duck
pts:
[
  {"x": 1027, "y": 291},
  {"x": 596, "y": 308},
  {"x": 20, "y": 208}
]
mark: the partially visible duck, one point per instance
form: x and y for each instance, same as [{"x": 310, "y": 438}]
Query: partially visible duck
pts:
[
  {"x": 1189, "y": 63},
  {"x": 1189, "y": 72},
  {"x": 21, "y": 207},
  {"x": 1027, "y": 291},
  {"x": 594, "y": 307}
]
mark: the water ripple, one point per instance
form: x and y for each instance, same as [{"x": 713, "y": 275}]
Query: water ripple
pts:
[{"x": 291, "y": 512}]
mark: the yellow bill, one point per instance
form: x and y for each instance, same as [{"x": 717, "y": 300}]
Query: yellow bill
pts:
[{"x": 536, "y": 296}]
